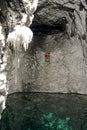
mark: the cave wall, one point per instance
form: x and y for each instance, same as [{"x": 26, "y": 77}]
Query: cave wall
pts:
[
  {"x": 15, "y": 18},
  {"x": 64, "y": 72},
  {"x": 59, "y": 28}
]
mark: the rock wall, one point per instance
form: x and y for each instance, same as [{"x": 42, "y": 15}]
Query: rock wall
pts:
[
  {"x": 56, "y": 59},
  {"x": 15, "y": 18}
]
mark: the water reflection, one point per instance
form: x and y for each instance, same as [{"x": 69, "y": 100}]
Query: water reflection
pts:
[{"x": 41, "y": 111}]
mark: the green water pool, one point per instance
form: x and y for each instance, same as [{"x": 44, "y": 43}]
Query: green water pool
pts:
[{"x": 43, "y": 111}]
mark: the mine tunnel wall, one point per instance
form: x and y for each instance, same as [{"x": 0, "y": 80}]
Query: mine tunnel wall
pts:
[{"x": 55, "y": 60}]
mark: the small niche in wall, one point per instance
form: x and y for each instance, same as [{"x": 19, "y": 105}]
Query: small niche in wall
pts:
[{"x": 47, "y": 56}]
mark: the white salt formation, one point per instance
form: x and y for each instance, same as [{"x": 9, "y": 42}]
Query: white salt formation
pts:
[
  {"x": 3, "y": 77},
  {"x": 22, "y": 35},
  {"x": 2, "y": 104}
]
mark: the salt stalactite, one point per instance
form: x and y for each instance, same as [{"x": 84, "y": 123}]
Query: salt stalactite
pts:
[
  {"x": 22, "y": 35},
  {"x": 3, "y": 75}
]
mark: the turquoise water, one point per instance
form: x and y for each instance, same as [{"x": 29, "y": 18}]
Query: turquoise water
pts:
[{"x": 42, "y": 111}]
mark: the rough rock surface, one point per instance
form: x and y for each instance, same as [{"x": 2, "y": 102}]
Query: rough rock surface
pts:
[
  {"x": 15, "y": 18},
  {"x": 60, "y": 31}
]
